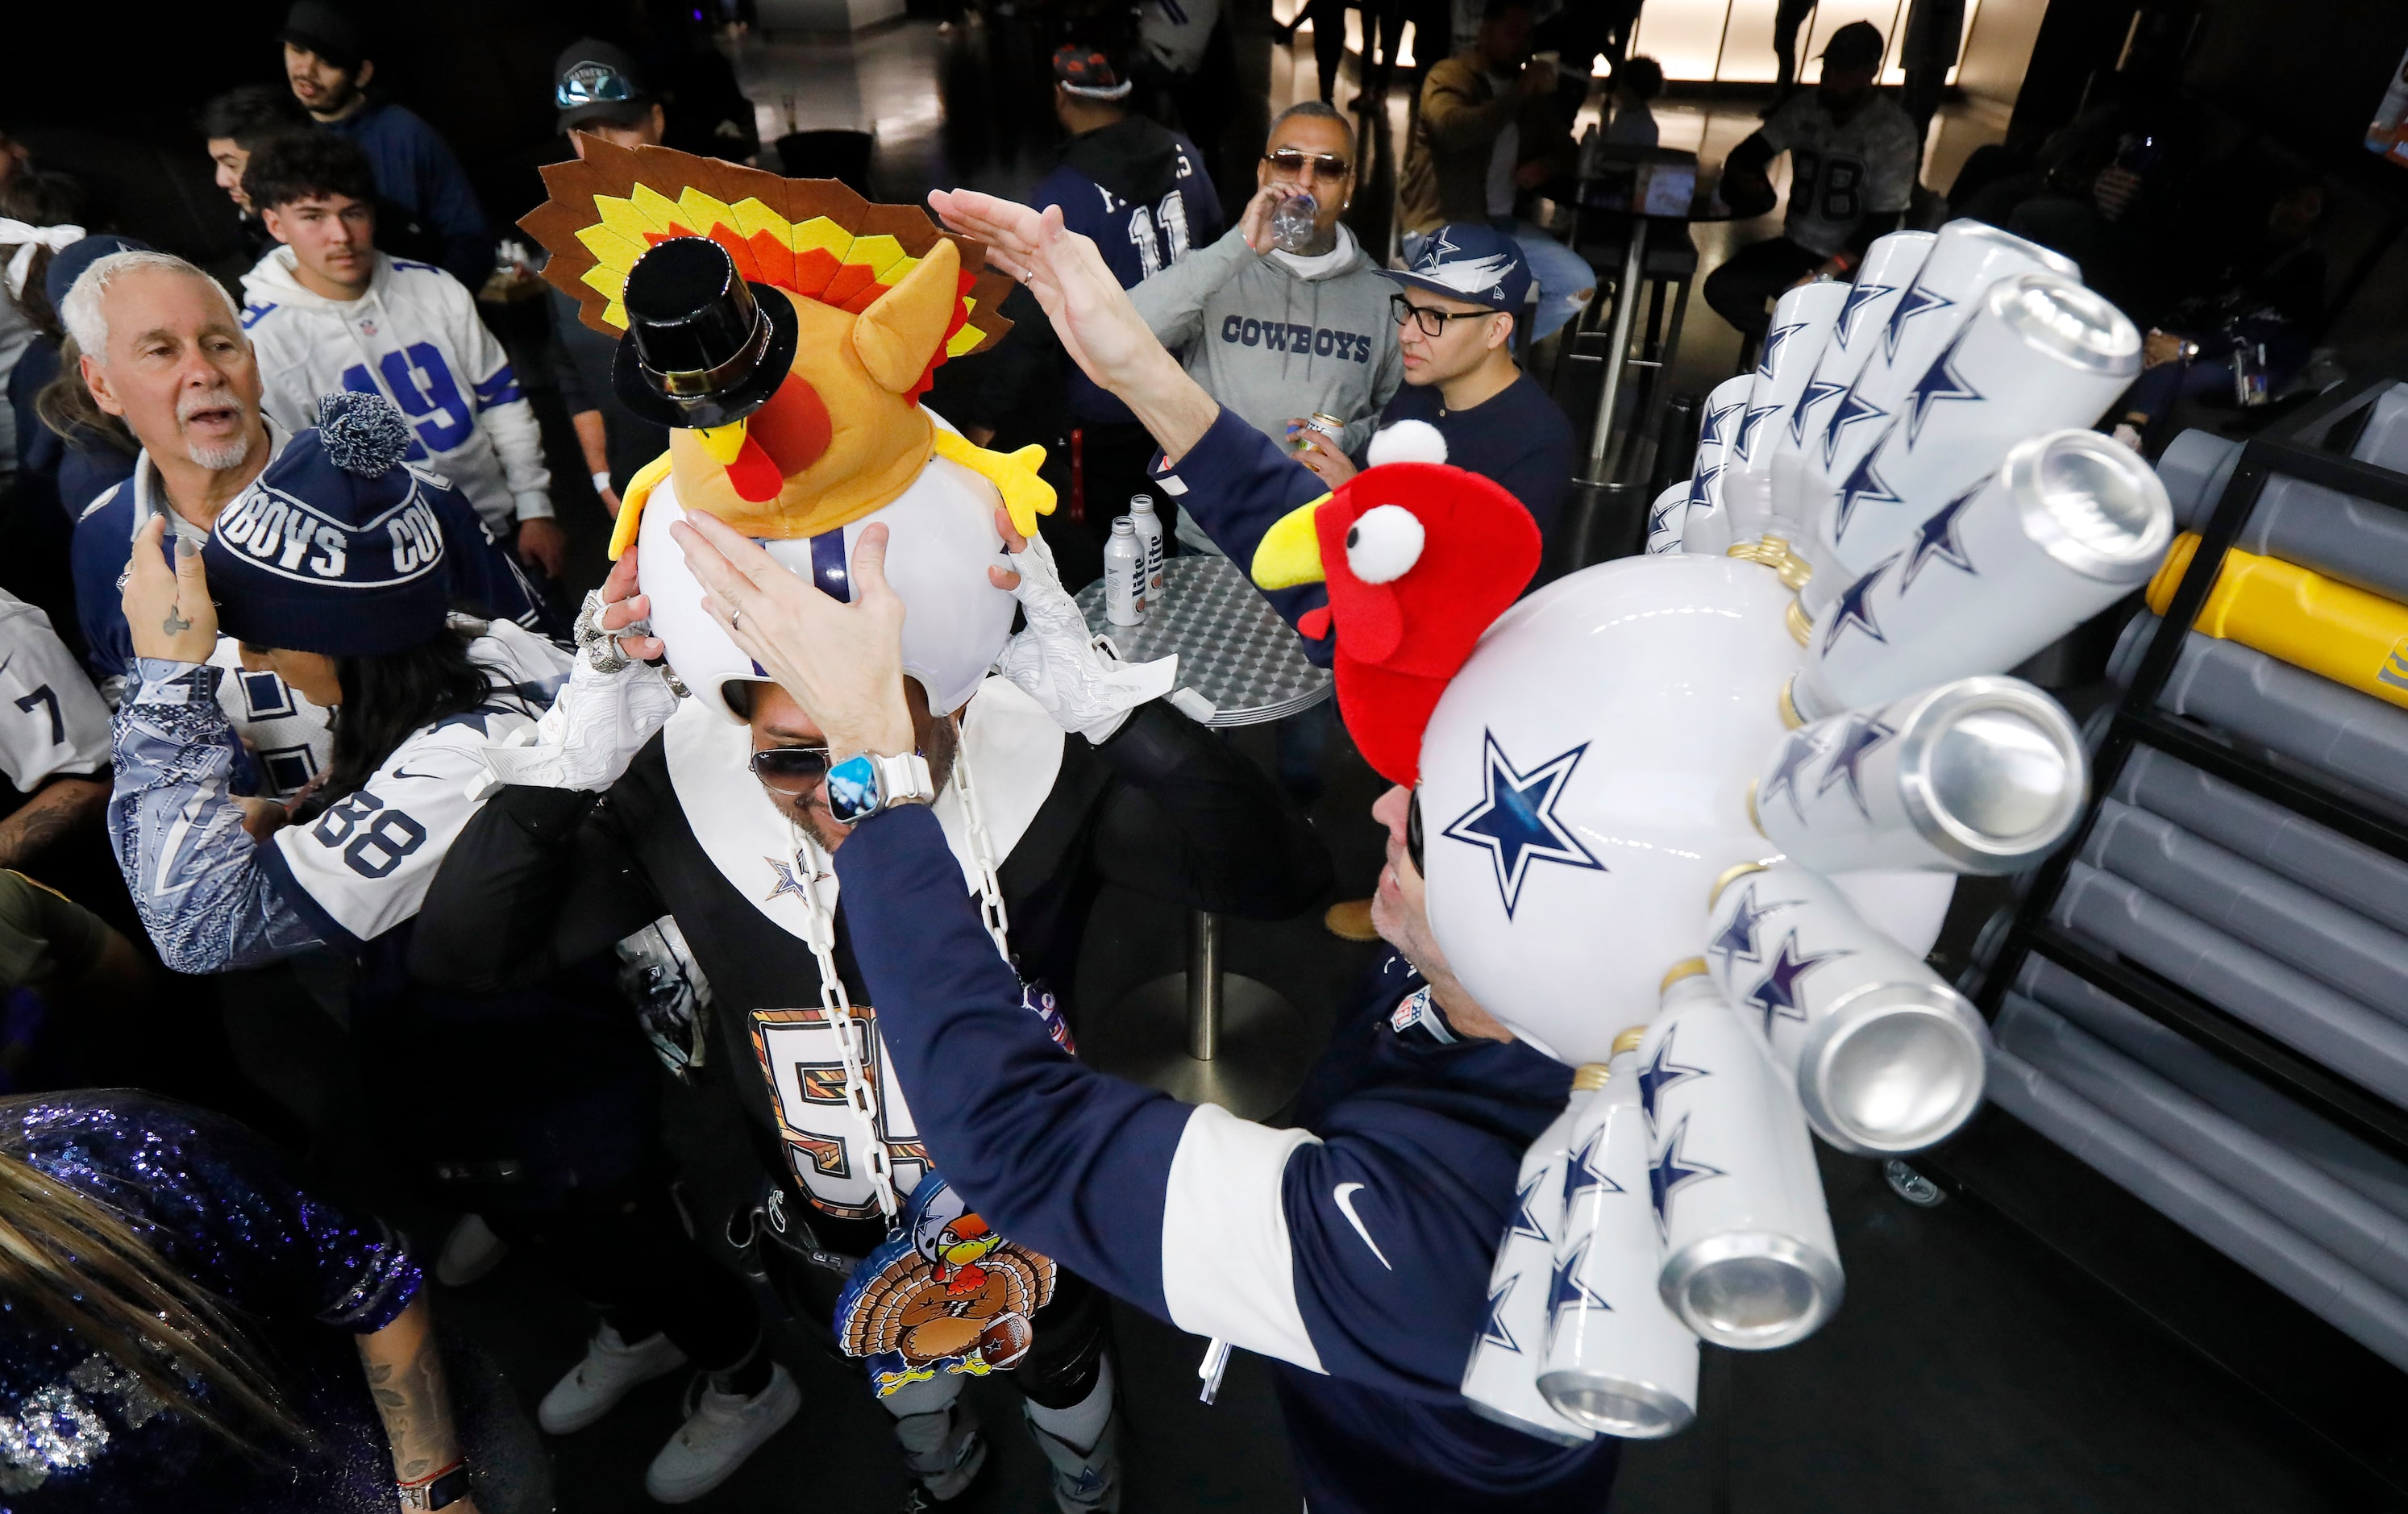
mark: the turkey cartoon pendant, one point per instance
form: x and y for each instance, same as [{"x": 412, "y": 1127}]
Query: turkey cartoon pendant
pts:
[{"x": 945, "y": 1293}]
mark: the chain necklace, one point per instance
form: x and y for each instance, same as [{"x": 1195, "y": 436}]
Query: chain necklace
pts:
[{"x": 819, "y": 869}]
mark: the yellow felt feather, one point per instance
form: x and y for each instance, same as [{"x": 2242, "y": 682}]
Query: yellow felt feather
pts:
[
  {"x": 631, "y": 504},
  {"x": 1026, "y": 496}
]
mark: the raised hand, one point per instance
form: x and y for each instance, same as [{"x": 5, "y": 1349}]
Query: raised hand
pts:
[{"x": 169, "y": 609}]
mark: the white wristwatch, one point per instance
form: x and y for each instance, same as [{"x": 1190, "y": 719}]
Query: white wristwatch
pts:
[{"x": 865, "y": 783}]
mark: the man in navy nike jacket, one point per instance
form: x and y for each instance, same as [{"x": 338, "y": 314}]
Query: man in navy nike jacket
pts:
[{"x": 1354, "y": 1250}]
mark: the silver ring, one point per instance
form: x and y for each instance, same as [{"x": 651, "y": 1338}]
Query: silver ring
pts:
[{"x": 734, "y": 619}]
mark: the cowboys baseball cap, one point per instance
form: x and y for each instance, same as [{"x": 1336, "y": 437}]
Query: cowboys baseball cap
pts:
[
  {"x": 1466, "y": 261},
  {"x": 326, "y": 31},
  {"x": 1088, "y": 73},
  {"x": 1857, "y": 45},
  {"x": 593, "y": 80}
]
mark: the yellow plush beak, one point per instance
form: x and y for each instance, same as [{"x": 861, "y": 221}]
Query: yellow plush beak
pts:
[
  {"x": 1290, "y": 551},
  {"x": 723, "y": 443}
]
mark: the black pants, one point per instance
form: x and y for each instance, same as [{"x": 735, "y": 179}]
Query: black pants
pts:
[
  {"x": 1742, "y": 290},
  {"x": 1787, "y": 18},
  {"x": 622, "y": 1249}
]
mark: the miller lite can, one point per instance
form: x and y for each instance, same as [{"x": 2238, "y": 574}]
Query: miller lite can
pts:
[
  {"x": 2040, "y": 353},
  {"x": 1749, "y": 1258},
  {"x": 1984, "y": 775},
  {"x": 1889, "y": 266},
  {"x": 1883, "y": 1055},
  {"x": 1705, "y": 528},
  {"x": 1124, "y": 574},
  {"x": 1617, "y": 1359},
  {"x": 2072, "y": 522},
  {"x": 1665, "y": 519},
  {"x": 1501, "y": 1378},
  {"x": 1149, "y": 535},
  {"x": 1966, "y": 260},
  {"x": 1802, "y": 320}
]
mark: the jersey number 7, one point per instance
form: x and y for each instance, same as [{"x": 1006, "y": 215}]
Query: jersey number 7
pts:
[{"x": 43, "y": 696}]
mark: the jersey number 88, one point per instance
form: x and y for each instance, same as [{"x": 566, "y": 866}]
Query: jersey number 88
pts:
[{"x": 377, "y": 848}]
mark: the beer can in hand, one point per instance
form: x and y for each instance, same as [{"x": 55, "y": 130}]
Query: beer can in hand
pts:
[
  {"x": 2072, "y": 522},
  {"x": 1884, "y": 1055},
  {"x": 1124, "y": 574},
  {"x": 1802, "y": 320},
  {"x": 1985, "y": 774},
  {"x": 2040, "y": 353},
  {"x": 1889, "y": 266},
  {"x": 1617, "y": 1359},
  {"x": 1501, "y": 1378},
  {"x": 1749, "y": 1258}
]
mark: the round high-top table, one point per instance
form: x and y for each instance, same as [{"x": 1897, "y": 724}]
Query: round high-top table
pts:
[{"x": 1208, "y": 1036}]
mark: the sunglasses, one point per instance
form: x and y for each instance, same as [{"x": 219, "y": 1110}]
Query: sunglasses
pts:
[
  {"x": 1294, "y": 160},
  {"x": 593, "y": 84},
  {"x": 791, "y": 770},
  {"x": 1414, "y": 831},
  {"x": 1431, "y": 320}
]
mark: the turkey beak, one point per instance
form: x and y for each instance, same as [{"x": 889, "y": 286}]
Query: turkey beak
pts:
[
  {"x": 1290, "y": 551},
  {"x": 723, "y": 443}
]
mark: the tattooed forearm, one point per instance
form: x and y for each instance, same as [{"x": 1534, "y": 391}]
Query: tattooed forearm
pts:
[
  {"x": 59, "y": 806},
  {"x": 405, "y": 1374}
]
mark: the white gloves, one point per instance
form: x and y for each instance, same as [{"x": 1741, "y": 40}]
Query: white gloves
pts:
[
  {"x": 1057, "y": 663},
  {"x": 608, "y": 709}
]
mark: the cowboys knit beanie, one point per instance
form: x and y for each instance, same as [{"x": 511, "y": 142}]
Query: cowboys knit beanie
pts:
[{"x": 336, "y": 547}]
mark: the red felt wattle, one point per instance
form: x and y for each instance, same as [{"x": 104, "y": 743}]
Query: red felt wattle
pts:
[
  {"x": 1315, "y": 623},
  {"x": 1385, "y": 713},
  {"x": 752, "y": 476}
]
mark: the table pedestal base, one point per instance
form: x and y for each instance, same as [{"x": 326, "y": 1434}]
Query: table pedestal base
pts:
[{"x": 1257, "y": 1066}]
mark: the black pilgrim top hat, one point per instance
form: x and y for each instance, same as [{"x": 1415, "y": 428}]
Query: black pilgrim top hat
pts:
[{"x": 703, "y": 347}]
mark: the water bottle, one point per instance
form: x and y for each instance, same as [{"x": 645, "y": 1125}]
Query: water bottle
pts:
[
  {"x": 1292, "y": 228},
  {"x": 1149, "y": 535},
  {"x": 1124, "y": 574}
]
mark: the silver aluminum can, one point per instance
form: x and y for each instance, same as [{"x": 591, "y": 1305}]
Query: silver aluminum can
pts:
[
  {"x": 1890, "y": 265},
  {"x": 1124, "y": 574},
  {"x": 1617, "y": 1359},
  {"x": 1802, "y": 320},
  {"x": 1665, "y": 519},
  {"x": 1501, "y": 1377},
  {"x": 1148, "y": 521},
  {"x": 1706, "y": 529},
  {"x": 2040, "y": 353},
  {"x": 1885, "y": 1058},
  {"x": 2072, "y": 523},
  {"x": 1984, "y": 775},
  {"x": 1966, "y": 260},
  {"x": 1749, "y": 1258}
]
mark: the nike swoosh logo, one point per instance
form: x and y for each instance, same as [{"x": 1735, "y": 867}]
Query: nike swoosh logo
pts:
[
  {"x": 1345, "y": 1194},
  {"x": 404, "y": 772}
]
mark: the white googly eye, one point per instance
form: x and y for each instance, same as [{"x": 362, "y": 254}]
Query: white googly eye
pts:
[{"x": 1383, "y": 543}]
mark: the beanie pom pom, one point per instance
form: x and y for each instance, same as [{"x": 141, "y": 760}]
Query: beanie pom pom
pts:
[
  {"x": 1408, "y": 441},
  {"x": 362, "y": 433}
]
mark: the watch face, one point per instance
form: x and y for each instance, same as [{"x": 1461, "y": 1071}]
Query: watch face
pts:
[{"x": 853, "y": 789}]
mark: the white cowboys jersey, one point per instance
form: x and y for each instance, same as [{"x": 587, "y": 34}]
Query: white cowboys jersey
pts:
[
  {"x": 1839, "y": 175},
  {"x": 289, "y": 739},
  {"x": 51, "y": 718}
]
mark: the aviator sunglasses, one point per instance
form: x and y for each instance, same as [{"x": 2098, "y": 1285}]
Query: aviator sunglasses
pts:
[
  {"x": 791, "y": 770},
  {"x": 1324, "y": 165}
]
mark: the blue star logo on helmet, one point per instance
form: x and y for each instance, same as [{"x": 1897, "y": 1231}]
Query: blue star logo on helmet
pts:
[{"x": 1516, "y": 821}]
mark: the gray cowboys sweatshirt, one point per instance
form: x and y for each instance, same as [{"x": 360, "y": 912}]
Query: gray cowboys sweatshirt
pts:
[{"x": 1272, "y": 344}]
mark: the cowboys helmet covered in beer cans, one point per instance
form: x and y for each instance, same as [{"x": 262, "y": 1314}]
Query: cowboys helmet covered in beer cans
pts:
[
  {"x": 1501, "y": 1379},
  {"x": 2040, "y": 353},
  {"x": 1749, "y": 1258},
  {"x": 1884, "y": 1057},
  {"x": 1985, "y": 774},
  {"x": 1665, "y": 519},
  {"x": 2071, "y": 523},
  {"x": 1705, "y": 528},
  {"x": 1802, "y": 320},
  {"x": 1618, "y": 1360},
  {"x": 1889, "y": 266}
]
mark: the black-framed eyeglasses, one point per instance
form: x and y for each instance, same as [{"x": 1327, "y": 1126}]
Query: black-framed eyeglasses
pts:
[
  {"x": 592, "y": 83},
  {"x": 791, "y": 770},
  {"x": 1413, "y": 830},
  {"x": 1295, "y": 160},
  {"x": 1431, "y": 320}
]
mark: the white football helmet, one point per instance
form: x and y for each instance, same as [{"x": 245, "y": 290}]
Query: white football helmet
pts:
[{"x": 942, "y": 539}]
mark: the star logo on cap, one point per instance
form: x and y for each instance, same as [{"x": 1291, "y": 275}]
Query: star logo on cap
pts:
[
  {"x": 1565, "y": 1290},
  {"x": 1940, "y": 381},
  {"x": 1493, "y": 1332},
  {"x": 1516, "y": 820},
  {"x": 1798, "y": 753},
  {"x": 1863, "y": 483},
  {"x": 1524, "y": 1223},
  {"x": 1817, "y": 391},
  {"x": 1914, "y": 302},
  {"x": 1582, "y": 1175},
  {"x": 1936, "y": 539},
  {"x": 1852, "y": 309},
  {"x": 1855, "y": 607},
  {"x": 1673, "y": 1171},
  {"x": 1864, "y": 733},
  {"x": 1852, "y": 408},
  {"x": 1773, "y": 341},
  {"x": 1662, "y": 1073},
  {"x": 1776, "y": 997}
]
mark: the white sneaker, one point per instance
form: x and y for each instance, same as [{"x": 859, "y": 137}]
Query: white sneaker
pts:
[
  {"x": 720, "y": 1431},
  {"x": 469, "y": 1252},
  {"x": 611, "y": 1369}
]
